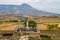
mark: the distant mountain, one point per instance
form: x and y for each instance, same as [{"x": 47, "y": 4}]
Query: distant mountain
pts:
[{"x": 23, "y": 9}]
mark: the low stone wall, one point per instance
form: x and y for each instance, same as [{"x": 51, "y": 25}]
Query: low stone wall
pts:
[
  {"x": 11, "y": 35},
  {"x": 55, "y": 34}
]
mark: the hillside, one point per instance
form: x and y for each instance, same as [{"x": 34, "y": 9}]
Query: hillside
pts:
[{"x": 24, "y": 9}]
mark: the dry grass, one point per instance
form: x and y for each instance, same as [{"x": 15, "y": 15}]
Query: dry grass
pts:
[
  {"x": 41, "y": 21},
  {"x": 8, "y": 26}
]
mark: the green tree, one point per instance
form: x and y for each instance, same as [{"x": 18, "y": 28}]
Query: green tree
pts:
[
  {"x": 52, "y": 26},
  {"x": 31, "y": 23}
]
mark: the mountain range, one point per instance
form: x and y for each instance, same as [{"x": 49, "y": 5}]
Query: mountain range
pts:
[{"x": 24, "y": 9}]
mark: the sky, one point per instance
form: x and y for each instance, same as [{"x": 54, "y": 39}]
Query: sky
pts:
[{"x": 45, "y": 5}]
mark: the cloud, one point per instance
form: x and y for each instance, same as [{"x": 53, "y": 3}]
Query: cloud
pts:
[
  {"x": 17, "y": 1},
  {"x": 50, "y": 5}
]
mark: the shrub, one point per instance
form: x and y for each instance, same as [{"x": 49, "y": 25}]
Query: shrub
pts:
[
  {"x": 52, "y": 26},
  {"x": 1, "y": 22},
  {"x": 13, "y": 20},
  {"x": 31, "y": 38},
  {"x": 46, "y": 38}
]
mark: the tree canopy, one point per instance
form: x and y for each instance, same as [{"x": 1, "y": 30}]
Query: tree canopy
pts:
[{"x": 31, "y": 23}]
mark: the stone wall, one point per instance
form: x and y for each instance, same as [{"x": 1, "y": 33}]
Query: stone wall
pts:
[{"x": 55, "y": 34}]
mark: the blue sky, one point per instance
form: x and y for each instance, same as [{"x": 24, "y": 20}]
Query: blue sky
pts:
[{"x": 46, "y": 5}]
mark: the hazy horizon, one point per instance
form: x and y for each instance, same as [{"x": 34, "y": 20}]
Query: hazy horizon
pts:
[{"x": 46, "y": 5}]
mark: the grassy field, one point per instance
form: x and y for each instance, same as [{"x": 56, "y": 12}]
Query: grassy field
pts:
[{"x": 42, "y": 21}]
